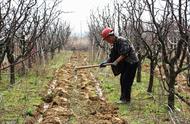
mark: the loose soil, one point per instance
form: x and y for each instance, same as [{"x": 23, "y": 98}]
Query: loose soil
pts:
[{"x": 75, "y": 97}]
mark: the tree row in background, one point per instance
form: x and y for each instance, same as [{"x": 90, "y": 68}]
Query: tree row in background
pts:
[
  {"x": 30, "y": 29},
  {"x": 159, "y": 29}
]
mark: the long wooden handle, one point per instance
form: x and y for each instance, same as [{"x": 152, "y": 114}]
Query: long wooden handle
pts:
[{"x": 91, "y": 66}]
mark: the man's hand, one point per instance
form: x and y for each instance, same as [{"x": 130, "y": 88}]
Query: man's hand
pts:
[
  {"x": 115, "y": 63},
  {"x": 103, "y": 64}
]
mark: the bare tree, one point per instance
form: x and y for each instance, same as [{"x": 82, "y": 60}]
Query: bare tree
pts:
[
  {"x": 21, "y": 25},
  {"x": 95, "y": 27},
  {"x": 173, "y": 56}
]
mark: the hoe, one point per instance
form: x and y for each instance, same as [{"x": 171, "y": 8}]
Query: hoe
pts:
[{"x": 90, "y": 66}]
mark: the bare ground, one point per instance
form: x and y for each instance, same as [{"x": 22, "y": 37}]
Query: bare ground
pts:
[{"x": 75, "y": 98}]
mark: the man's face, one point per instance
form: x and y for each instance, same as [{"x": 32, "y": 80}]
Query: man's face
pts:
[{"x": 110, "y": 39}]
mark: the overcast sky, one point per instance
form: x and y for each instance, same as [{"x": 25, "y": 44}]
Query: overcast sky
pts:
[{"x": 81, "y": 11}]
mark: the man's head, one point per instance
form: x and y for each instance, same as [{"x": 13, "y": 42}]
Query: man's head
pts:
[{"x": 108, "y": 35}]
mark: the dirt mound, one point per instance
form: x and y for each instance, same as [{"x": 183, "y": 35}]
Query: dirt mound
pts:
[{"x": 76, "y": 98}]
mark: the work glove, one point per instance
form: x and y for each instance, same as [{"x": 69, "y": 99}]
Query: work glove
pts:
[
  {"x": 103, "y": 64},
  {"x": 115, "y": 63}
]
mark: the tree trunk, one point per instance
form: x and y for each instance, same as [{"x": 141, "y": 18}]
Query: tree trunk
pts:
[
  {"x": 151, "y": 77},
  {"x": 12, "y": 74},
  {"x": 171, "y": 95},
  {"x": 139, "y": 69},
  {"x": 92, "y": 51},
  {"x": 52, "y": 53},
  {"x": 188, "y": 77},
  {"x": 45, "y": 56},
  {"x": 30, "y": 62},
  {"x": 0, "y": 73},
  {"x": 188, "y": 73},
  {"x": 11, "y": 60},
  {"x": 23, "y": 69},
  {"x": 40, "y": 57},
  {"x": 59, "y": 48}
]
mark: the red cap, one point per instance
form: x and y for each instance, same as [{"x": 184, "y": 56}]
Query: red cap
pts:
[{"x": 106, "y": 32}]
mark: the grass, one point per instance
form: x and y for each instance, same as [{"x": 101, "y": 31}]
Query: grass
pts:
[
  {"x": 26, "y": 93},
  {"x": 145, "y": 108}
]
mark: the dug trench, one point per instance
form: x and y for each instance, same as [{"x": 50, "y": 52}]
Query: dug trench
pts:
[{"x": 75, "y": 98}]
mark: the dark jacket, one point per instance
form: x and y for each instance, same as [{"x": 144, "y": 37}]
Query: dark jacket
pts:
[{"x": 122, "y": 46}]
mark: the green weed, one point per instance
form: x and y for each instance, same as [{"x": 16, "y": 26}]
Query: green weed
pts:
[
  {"x": 145, "y": 108},
  {"x": 25, "y": 94}
]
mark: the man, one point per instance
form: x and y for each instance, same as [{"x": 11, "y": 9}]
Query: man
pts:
[{"x": 124, "y": 61}]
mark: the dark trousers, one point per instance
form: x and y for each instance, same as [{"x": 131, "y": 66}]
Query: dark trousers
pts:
[{"x": 126, "y": 80}]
